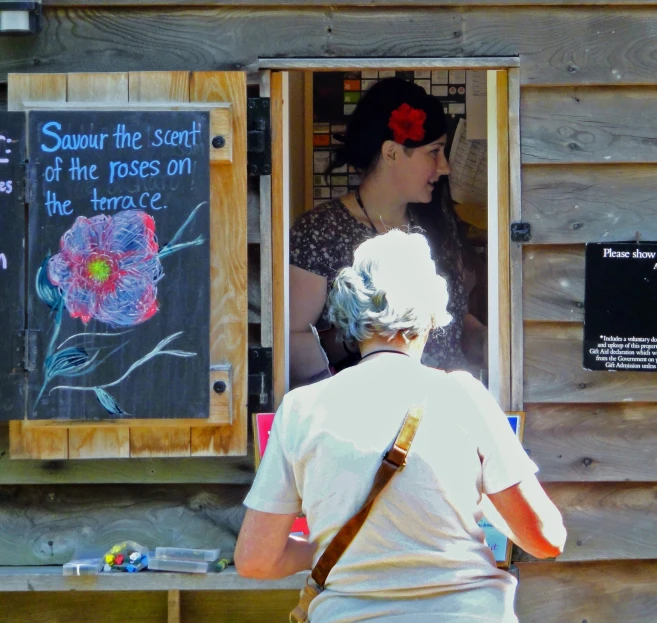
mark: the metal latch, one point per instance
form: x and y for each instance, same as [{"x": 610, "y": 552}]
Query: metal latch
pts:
[
  {"x": 521, "y": 232},
  {"x": 261, "y": 399},
  {"x": 258, "y": 136}
]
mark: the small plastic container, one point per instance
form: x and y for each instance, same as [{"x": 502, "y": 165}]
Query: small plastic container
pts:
[
  {"x": 181, "y": 553},
  {"x": 185, "y": 566},
  {"x": 83, "y": 564}
]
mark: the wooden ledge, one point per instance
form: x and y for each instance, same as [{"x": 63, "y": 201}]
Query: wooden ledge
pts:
[{"x": 48, "y": 579}]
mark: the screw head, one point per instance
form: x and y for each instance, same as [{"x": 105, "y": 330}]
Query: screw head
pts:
[
  {"x": 218, "y": 142},
  {"x": 219, "y": 387}
]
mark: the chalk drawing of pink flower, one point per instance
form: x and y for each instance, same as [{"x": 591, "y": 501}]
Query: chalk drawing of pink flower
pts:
[{"x": 108, "y": 267}]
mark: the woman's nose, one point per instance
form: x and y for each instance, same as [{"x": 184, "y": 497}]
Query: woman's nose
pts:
[{"x": 443, "y": 167}]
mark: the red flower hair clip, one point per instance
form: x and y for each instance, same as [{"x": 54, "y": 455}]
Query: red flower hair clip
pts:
[{"x": 407, "y": 123}]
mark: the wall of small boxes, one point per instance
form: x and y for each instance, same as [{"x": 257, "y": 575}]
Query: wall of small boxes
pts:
[{"x": 335, "y": 96}]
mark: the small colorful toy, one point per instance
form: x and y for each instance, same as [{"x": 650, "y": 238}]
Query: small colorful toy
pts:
[{"x": 127, "y": 556}]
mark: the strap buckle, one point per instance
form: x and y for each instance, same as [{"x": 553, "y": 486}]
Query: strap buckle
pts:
[{"x": 395, "y": 450}]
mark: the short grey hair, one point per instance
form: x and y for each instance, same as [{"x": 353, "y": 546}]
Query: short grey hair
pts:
[{"x": 391, "y": 288}]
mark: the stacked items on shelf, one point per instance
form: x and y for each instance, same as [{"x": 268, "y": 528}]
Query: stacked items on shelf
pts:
[{"x": 126, "y": 556}]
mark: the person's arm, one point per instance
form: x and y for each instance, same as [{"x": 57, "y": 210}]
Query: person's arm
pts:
[
  {"x": 265, "y": 549},
  {"x": 534, "y": 522},
  {"x": 307, "y": 300}
]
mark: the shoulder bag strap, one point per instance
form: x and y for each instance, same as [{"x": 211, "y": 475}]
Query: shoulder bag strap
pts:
[{"x": 393, "y": 461}]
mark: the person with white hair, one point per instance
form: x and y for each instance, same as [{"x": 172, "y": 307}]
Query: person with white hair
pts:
[{"x": 420, "y": 554}]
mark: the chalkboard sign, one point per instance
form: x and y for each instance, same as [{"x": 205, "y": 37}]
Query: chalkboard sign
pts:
[
  {"x": 620, "y": 307},
  {"x": 12, "y": 265},
  {"x": 118, "y": 264}
]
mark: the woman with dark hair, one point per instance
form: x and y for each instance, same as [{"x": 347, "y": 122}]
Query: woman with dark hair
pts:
[{"x": 396, "y": 140}]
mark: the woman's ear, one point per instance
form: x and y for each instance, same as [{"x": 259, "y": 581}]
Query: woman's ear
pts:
[{"x": 389, "y": 152}]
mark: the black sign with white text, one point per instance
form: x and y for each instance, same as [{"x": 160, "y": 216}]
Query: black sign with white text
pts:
[
  {"x": 620, "y": 308},
  {"x": 12, "y": 264}
]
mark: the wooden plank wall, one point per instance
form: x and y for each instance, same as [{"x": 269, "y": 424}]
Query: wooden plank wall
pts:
[
  {"x": 588, "y": 157},
  {"x": 588, "y": 80}
]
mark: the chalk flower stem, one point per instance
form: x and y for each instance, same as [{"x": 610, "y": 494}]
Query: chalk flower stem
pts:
[
  {"x": 182, "y": 228},
  {"x": 158, "y": 350},
  {"x": 85, "y": 335},
  {"x": 170, "y": 250}
]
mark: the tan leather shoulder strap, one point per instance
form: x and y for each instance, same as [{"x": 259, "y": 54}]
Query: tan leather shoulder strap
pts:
[{"x": 393, "y": 461}]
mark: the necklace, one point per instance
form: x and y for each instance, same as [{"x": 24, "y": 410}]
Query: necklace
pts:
[
  {"x": 385, "y": 350},
  {"x": 359, "y": 201}
]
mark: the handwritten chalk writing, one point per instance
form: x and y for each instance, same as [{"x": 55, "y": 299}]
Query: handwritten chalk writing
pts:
[
  {"x": 54, "y": 206},
  {"x": 125, "y": 202},
  {"x": 6, "y": 187},
  {"x": 177, "y": 138},
  {"x": 124, "y": 139},
  {"x": 82, "y": 172},
  {"x": 110, "y": 166},
  {"x": 136, "y": 168},
  {"x": 3, "y": 261},
  {"x": 6, "y": 141},
  {"x": 70, "y": 141},
  {"x": 52, "y": 172},
  {"x": 180, "y": 167}
]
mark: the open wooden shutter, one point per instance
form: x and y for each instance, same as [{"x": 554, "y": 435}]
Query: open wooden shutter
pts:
[
  {"x": 223, "y": 430},
  {"x": 12, "y": 265}
]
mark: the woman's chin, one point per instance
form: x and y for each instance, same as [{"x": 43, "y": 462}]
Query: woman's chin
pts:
[{"x": 427, "y": 194}]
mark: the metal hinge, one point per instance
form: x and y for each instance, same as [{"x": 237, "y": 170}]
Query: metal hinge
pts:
[
  {"x": 521, "y": 232},
  {"x": 261, "y": 399},
  {"x": 25, "y": 351},
  {"x": 31, "y": 181},
  {"x": 258, "y": 136}
]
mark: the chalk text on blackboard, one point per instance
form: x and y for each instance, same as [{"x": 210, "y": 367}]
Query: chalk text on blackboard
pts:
[{"x": 105, "y": 178}]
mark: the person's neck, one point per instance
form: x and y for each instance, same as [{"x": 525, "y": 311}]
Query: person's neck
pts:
[
  {"x": 382, "y": 203},
  {"x": 376, "y": 344}
]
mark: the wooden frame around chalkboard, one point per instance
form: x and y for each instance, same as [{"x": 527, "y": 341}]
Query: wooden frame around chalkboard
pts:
[{"x": 225, "y": 431}]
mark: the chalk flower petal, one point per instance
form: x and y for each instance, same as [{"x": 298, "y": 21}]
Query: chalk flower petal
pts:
[{"x": 108, "y": 268}]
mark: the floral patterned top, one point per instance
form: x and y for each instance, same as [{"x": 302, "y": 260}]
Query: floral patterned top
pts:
[{"x": 323, "y": 240}]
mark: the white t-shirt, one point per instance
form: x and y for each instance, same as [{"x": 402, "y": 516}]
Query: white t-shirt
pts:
[{"x": 420, "y": 555}]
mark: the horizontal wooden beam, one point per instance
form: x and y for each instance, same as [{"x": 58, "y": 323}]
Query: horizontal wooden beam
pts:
[
  {"x": 553, "y": 372},
  {"x": 607, "y": 521},
  {"x": 343, "y": 3},
  {"x": 592, "y": 442},
  {"x": 554, "y": 592},
  {"x": 226, "y": 470},
  {"x": 48, "y": 579},
  {"x": 553, "y": 283},
  {"x": 45, "y": 525},
  {"x": 563, "y": 46},
  {"x": 568, "y": 204},
  {"x": 588, "y": 125},
  {"x": 234, "y": 606},
  {"x": 356, "y": 64}
]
